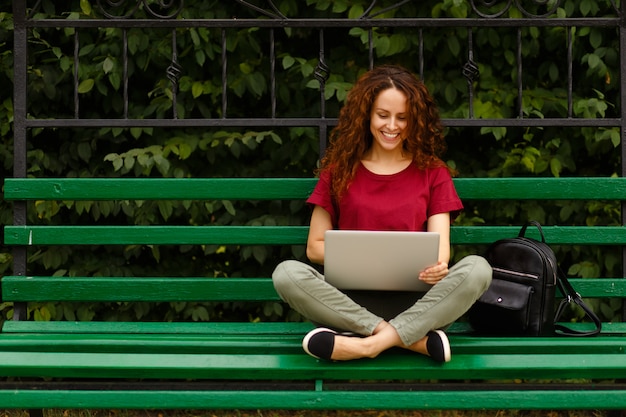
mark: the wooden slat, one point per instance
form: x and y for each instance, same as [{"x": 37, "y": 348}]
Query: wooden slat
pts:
[
  {"x": 230, "y": 329},
  {"x": 599, "y": 288},
  {"x": 555, "y": 235},
  {"x": 591, "y": 188},
  {"x": 278, "y": 235},
  {"x": 431, "y": 399},
  {"x": 214, "y": 342},
  {"x": 293, "y": 188},
  {"x": 155, "y": 235},
  {"x": 243, "y": 329},
  {"x": 19, "y": 288},
  {"x": 161, "y": 343},
  {"x": 158, "y": 188},
  {"x": 387, "y": 366}
]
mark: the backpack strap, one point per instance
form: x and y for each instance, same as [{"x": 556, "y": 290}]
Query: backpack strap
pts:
[
  {"x": 572, "y": 296},
  {"x": 535, "y": 223}
]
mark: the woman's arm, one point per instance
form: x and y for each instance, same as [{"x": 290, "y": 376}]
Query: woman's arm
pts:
[
  {"x": 439, "y": 223},
  {"x": 320, "y": 223}
]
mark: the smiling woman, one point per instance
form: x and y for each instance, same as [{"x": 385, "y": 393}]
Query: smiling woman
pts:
[
  {"x": 395, "y": 181},
  {"x": 206, "y": 129}
]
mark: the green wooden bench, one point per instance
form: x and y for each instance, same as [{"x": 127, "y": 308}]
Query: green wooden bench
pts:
[{"x": 243, "y": 365}]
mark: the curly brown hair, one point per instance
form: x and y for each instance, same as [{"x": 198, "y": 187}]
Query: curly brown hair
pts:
[{"x": 352, "y": 138}]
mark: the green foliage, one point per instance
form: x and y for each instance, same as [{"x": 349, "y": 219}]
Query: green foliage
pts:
[{"x": 276, "y": 152}]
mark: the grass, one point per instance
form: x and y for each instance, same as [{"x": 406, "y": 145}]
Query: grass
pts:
[{"x": 309, "y": 413}]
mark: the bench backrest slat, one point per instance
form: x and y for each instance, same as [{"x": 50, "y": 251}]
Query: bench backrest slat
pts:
[
  {"x": 595, "y": 188},
  {"x": 112, "y": 289},
  {"x": 278, "y": 235},
  {"x": 155, "y": 235},
  {"x": 81, "y": 189}
]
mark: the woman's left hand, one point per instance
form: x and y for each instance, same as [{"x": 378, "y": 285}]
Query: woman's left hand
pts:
[{"x": 435, "y": 273}]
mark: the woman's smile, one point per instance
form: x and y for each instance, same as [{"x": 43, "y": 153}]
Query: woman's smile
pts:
[{"x": 390, "y": 135}]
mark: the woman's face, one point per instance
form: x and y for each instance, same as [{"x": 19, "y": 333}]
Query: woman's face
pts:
[{"x": 388, "y": 120}]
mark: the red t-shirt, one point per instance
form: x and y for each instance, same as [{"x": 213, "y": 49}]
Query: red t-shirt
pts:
[{"x": 403, "y": 201}]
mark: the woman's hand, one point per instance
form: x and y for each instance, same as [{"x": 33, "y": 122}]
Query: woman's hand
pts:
[
  {"x": 434, "y": 274},
  {"x": 439, "y": 223}
]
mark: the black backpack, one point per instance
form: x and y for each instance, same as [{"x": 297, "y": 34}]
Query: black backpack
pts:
[{"x": 521, "y": 297}]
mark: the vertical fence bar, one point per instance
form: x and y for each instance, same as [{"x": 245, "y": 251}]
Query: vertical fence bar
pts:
[
  {"x": 173, "y": 73},
  {"x": 273, "y": 73},
  {"x": 470, "y": 70},
  {"x": 520, "y": 81},
  {"x": 125, "y": 70},
  {"x": 76, "y": 76},
  {"x": 370, "y": 46},
  {"x": 421, "y": 52},
  {"x": 224, "y": 75},
  {"x": 570, "y": 73},
  {"x": 20, "y": 94},
  {"x": 322, "y": 72},
  {"x": 622, "y": 55}
]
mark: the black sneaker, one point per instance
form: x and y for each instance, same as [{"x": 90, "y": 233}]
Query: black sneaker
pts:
[
  {"x": 319, "y": 343},
  {"x": 438, "y": 346}
]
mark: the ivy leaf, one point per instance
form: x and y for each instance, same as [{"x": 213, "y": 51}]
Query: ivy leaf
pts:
[
  {"x": 288, "y": 61},
  {"x": 86, "y": 86},
  {"x": 85, "y": 7},
  {"x": 197, "y": 89},
  {"x": 200, "y": 313},
  {"x": 228, "y": 205},
  {"x": 454, "y": 45},
  {"x": 260, "y": 254},
  {"x": 84, "y": 151},
  {"x": 108, "y": 64},
  {"x": 593, "y": 60}
]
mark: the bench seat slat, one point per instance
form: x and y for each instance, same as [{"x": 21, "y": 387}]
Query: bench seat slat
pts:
[
  {"x": 255, "y": 344},
  {"x": 389, "y": 366},
  {"x": 488, "y": 399},
  {"x": 225, "y": 329},
  {"x": 157, "y": 328},
  {"x": 570, "y": 399},
  {"x": 278, "y": 235},
  {"x": 18, "y": 288},
  {"x": 605, "y": 188}
]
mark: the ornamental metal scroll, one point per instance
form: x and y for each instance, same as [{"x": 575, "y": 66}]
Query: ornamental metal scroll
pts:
[
  {"x": 275, "y": 13},
  {"x": 367, "y": 15},
  {"x": 124, "y": 9},
  {"x": 529, "y": 8}
]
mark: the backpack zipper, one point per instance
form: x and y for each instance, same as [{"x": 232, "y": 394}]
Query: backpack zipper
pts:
[{"x": 519, "y": 274}]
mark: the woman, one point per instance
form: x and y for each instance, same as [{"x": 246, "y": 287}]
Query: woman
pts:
[{"x": 383, "y": 171}]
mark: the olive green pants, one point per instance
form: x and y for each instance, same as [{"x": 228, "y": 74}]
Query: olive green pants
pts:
[{"x": 413, "y": 315}]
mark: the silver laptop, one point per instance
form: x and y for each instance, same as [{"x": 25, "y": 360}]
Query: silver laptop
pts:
[{"x": 379, "y": 260}]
